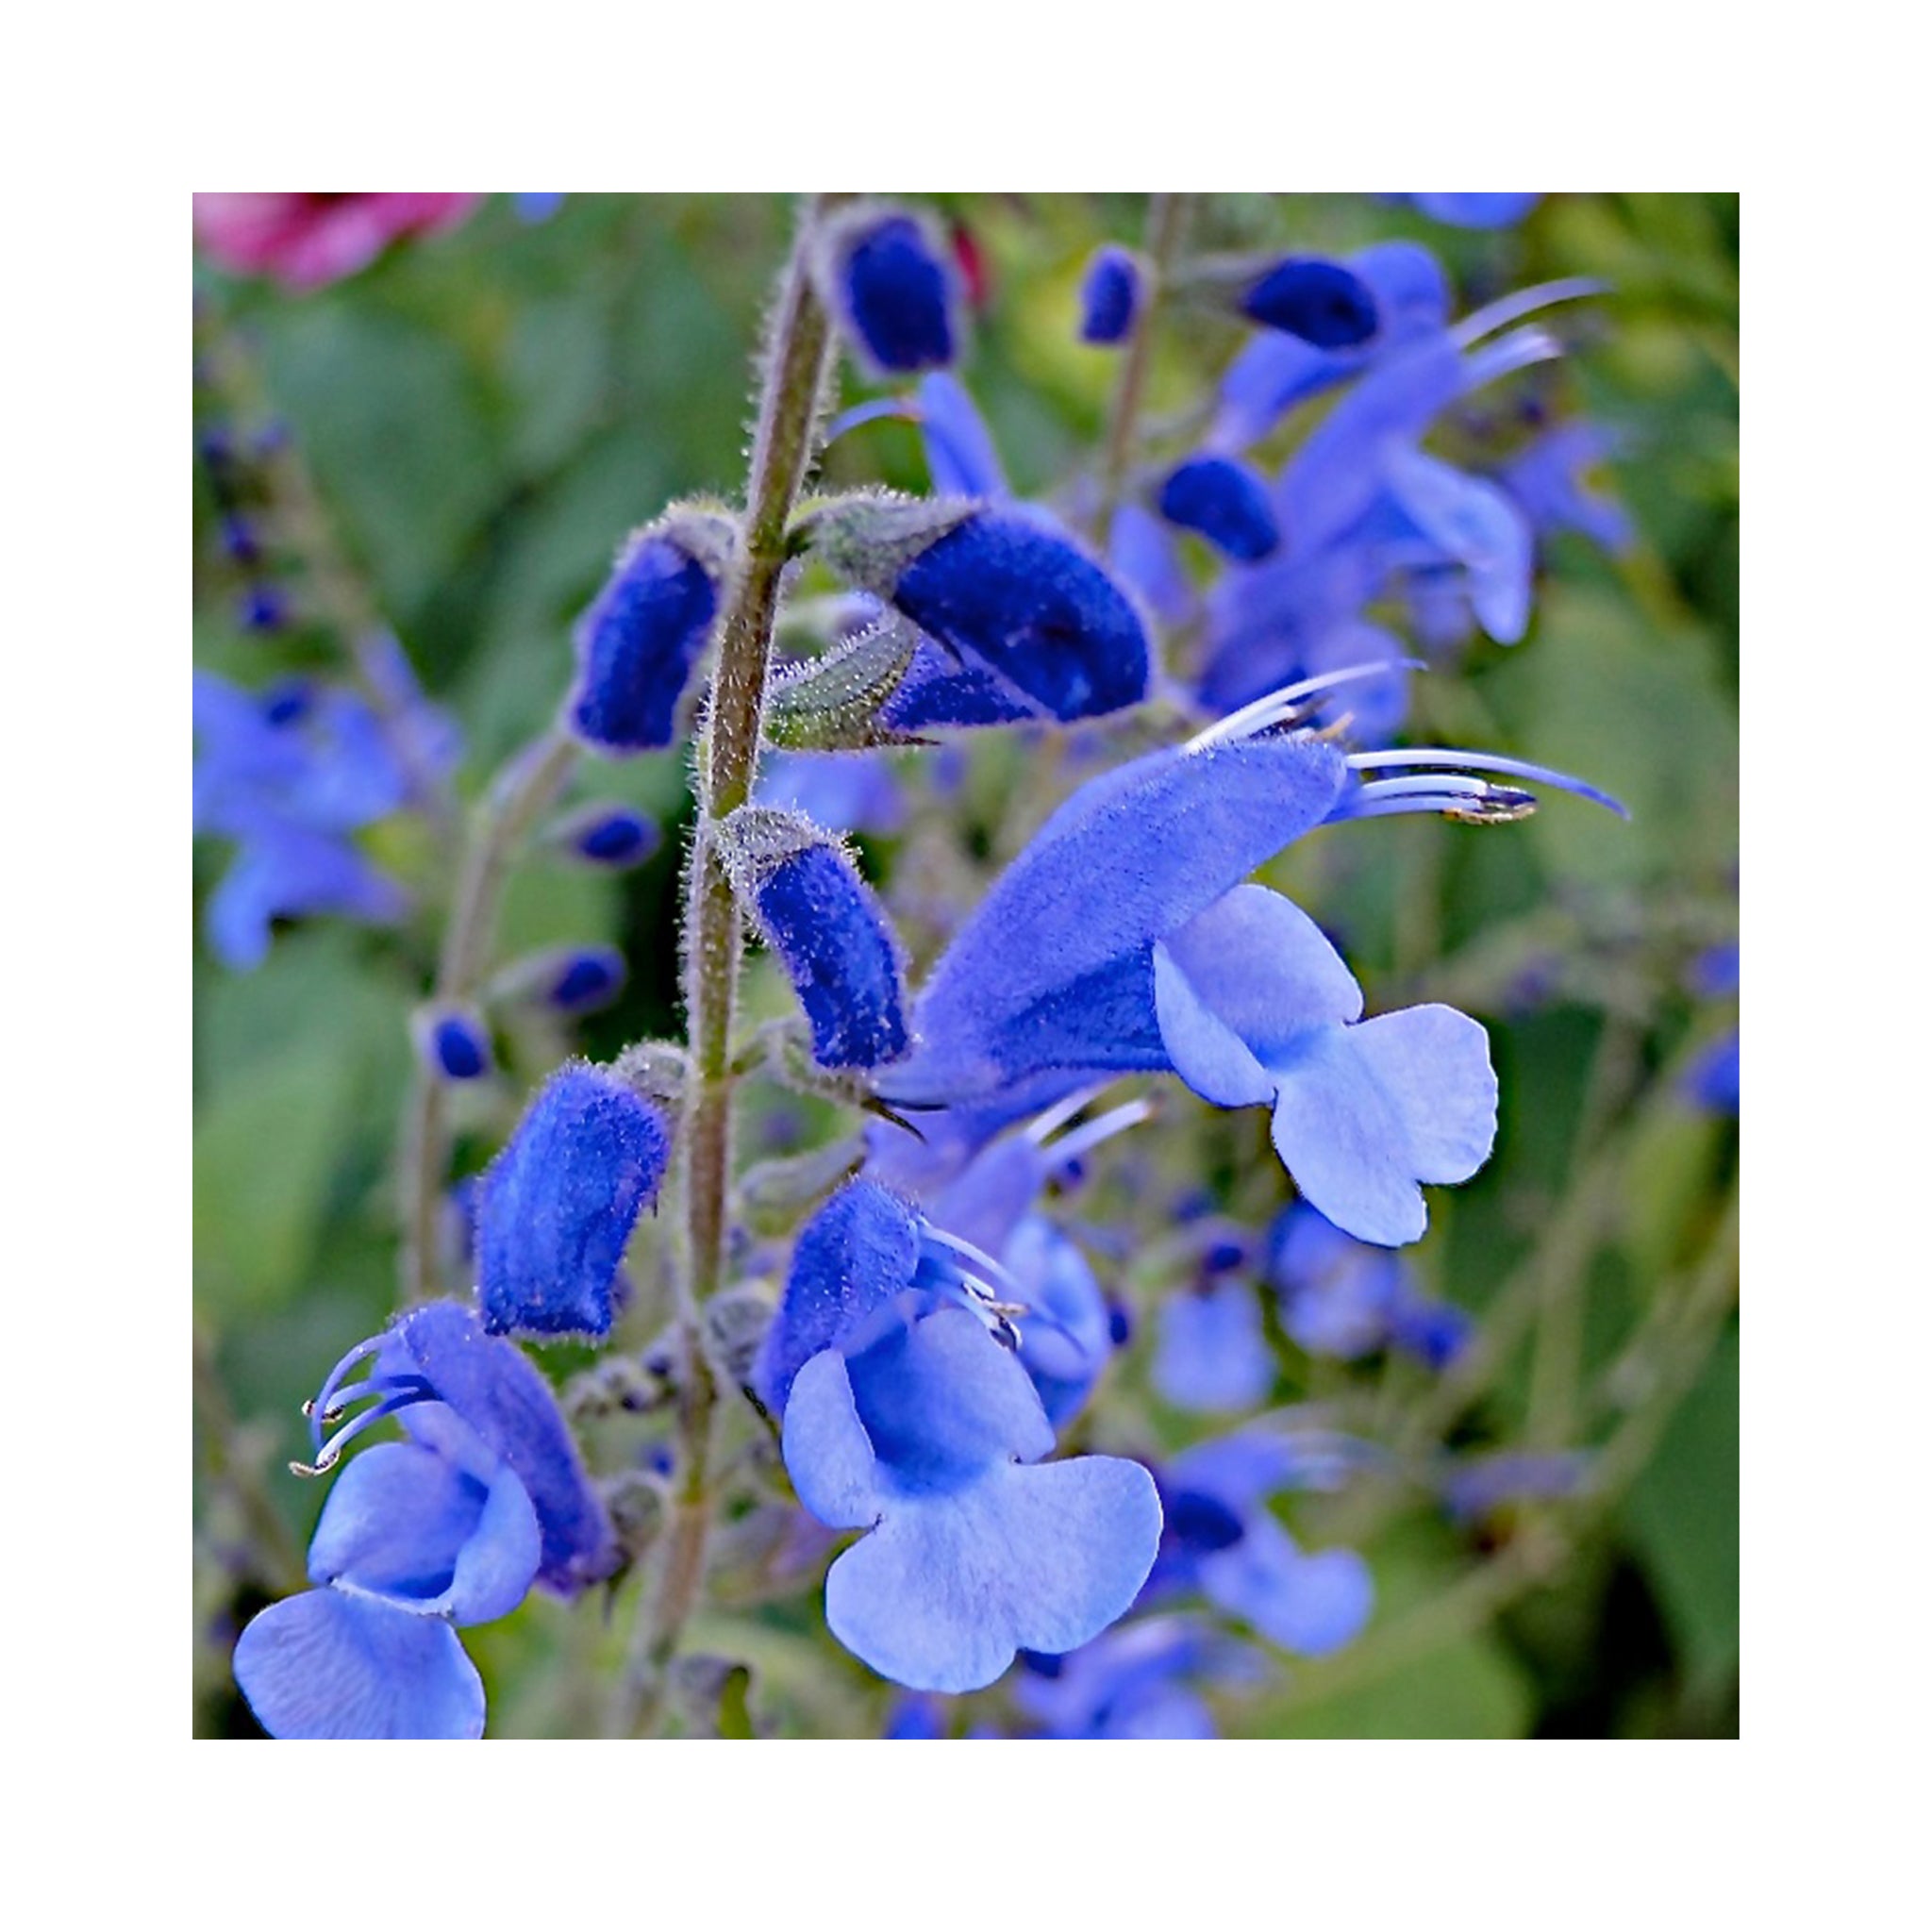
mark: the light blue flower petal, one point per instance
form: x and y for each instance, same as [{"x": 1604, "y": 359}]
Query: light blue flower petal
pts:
[
  {"x": 327, "y": 1664},
  {"x": 1206, "y": 1052},
  {"x": 1365, "y": 1112},
  {"x": 1307, "y": 1604},
  {"x": 942, "y": 1402},
  {"x": 1265, "y": 969},
  {"x": 1210, "y": 1354},
  {"x": 827, "y": 1454},
  {"x": 1434, "y": 1063},
  {"x": 403, "y": 1523},
  {"x": 944, "y": 1591},
  {"x": 1477, "y": 525}
]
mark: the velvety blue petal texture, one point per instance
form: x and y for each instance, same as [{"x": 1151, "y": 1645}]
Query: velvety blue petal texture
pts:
[
  {"x": 1023, "y": 600},
  {"x": 1226, "y": 503},
  {"x": 892, "y": 289},
  {"x": 639, "y": 642},
  {"x": 556, "y": 1209},
  {"x": 1109, "y": 296},
  {"x": 838, "y": 946},
  {"x": 852, "y": 1258},
  {"x": 1322, "y": 302},
  {"x": 329, "y": 1664}
]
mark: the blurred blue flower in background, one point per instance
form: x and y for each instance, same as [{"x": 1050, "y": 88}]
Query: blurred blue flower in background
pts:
[{"x": 289, "y": 775}]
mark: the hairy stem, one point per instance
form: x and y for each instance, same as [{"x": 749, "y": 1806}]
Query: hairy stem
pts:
[
  {"x": 782, "y": 453},
  {"x": 1166, "y": 218}
]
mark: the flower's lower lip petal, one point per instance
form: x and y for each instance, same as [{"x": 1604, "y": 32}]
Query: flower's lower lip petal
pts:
[
  {"x": 1309, "y": 1604},
  {"x": 943, "y": 1593},
  {"x": 327, "y": 1664}
]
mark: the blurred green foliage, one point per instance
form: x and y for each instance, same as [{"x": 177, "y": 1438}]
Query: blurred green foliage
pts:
[{"x": 486, "y": 413}]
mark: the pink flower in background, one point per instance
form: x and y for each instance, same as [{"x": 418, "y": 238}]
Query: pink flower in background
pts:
[{"x": 305, "y": 241}]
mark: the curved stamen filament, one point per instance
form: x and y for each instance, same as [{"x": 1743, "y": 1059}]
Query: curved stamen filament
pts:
[
  {"x": 1083, "y": 1139},
  {"x": 882, "y": 409},
  {"x": 402, "y": 1395},
  {"x": 1513, "y": 308},
  {"x": 1507, "y": 354},
  {"x": 1429, "y": 756},
  {"x": 1285, "y": 705}
]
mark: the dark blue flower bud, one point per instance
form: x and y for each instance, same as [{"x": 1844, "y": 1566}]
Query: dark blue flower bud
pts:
[
  {"x": 813, "y": 911},
  {"x": 611, "y": 836},
  {"x": 262, "y": 608},
  {"x": 888, "y": 280},
  {"x": 571, "y": 979},
  {"x": 556, "y": 1209},
  {"x": 1109, "y": 296},
  {"x": 1005, "y": 589},
  {"x": 454, "y": 1042},
  {"x": 1226, "y": 503},
  {"x": 639, "y": 642},
  {"x": 1320, "y": 302},
  {"x": 239, "y": 539}
]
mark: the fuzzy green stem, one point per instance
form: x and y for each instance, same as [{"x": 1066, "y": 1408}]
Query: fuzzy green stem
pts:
[{"x": 788, "y": 422}]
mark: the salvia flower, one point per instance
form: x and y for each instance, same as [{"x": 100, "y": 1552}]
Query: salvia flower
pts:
[
  {"x": 1210, "y": 1352},
  {"x": 811, "y": 908},
  {"x": 1137, "y": 1680},
  {"x": 1345, "y": 1298},
  {"x": 641, "y": 640},
  {"x": 447, "y": 1528},
  {"x": 289, "y": 775},
  {"x": 1118, "y": 941},
  {"x": 1109, "y": 296},
  {"x": 571, "y": 980},
  {"x": 306, "y": 240},
  {"x": 905, "y": 1417},
  {"x": 1222, "y": 1541},
  {"x": 556, "y": 1209},
  {"x": 1225, "y": 501},
  {"x": 891, "y": 282}
]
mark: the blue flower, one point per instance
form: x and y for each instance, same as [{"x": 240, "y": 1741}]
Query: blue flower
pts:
[
  {"x": 904, "y": 1417},
  {"x": 1209, "y": 1351},
  {"x": 1225, "y": 501},
  {"x": 1477, "y": 1486},
  {"x": 1341, "y": 1297},
  {"x": 812, "y": 908},
  {"x": 959, "y": 454},
  {"x": 556, "y": 1209},
  {"x": 1109, "y": 296},
  {"x": 1274, "y": 372},
  {"x": 289, "y": 775},
  {"x": 423, "y": 1537},
  {"x": 641, "y": 640},
  {"x": 1546, "y": 479},
  {"x": 1711, "y": 1080},
  {"x": 1366, "y": 512},
  {"x": 1476, "y": 210},
  {"x": 887, "y": 279},
  {"x": 1320, "y": 302},
  {"x": 1134, "y": 1681},
  {"x": 1222, "y": 1541}
]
